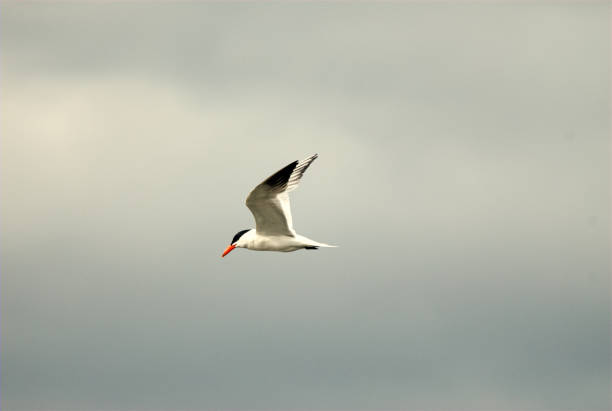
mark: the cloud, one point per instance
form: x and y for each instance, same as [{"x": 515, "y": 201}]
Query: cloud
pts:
[{"x": 462, "y": 171}]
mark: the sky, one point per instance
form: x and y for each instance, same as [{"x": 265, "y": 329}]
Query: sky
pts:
[{"x": 463, "y": 171}]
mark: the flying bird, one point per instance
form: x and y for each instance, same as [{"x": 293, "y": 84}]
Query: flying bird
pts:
[{"x": 269, "y": 203}]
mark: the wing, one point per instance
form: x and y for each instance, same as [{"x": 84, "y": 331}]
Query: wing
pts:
[{"x": 269, "y": 201}]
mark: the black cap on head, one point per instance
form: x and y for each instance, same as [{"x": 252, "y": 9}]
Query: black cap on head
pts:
[{"x": 239, "y": 234}]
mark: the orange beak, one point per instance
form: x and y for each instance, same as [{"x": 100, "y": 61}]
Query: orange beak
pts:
[{"x": 227, "y": 250}]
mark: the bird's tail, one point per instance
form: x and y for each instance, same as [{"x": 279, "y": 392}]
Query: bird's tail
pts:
[
  {"x": 316, "y": 244},
  {"x": 312, "y": 244}
]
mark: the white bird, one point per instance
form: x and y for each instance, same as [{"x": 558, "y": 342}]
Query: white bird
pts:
[{"x": 269, "y": 203}]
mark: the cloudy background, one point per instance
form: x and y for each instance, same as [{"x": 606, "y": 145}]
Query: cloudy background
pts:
[{"x": 463, "y": 171}]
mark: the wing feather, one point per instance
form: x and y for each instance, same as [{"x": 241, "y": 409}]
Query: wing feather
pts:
[{"x": 269, "y": 201}]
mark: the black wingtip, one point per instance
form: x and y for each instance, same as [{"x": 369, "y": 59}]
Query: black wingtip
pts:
[
  {"x": 311, "y": 247},
  {"x": 280, "y": 178}
]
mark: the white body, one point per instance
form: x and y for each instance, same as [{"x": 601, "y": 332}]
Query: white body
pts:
[{"x": 254, "y": 241}]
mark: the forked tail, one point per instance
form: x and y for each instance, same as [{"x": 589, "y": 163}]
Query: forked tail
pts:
[{"x": 314, "y": 245}]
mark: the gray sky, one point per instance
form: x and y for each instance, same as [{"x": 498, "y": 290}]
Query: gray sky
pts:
[{"x": 463, "y": 171}]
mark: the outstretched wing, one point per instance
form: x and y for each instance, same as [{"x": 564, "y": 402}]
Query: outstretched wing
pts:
[{"x": 269, "y": 201}]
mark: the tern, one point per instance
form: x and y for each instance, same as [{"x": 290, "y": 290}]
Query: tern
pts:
[{"x": 269, "y": 203}]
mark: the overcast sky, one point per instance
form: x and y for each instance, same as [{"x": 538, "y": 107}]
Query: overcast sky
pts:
[{"x": 463, "y": 170}]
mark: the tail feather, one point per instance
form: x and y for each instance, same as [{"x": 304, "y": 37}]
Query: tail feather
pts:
[
  {"x": 312, "y": 244},
  {"x": 315, "y": 244}
]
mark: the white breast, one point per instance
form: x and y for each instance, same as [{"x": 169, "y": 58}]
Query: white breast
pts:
[{"x": 274, "y": 243}]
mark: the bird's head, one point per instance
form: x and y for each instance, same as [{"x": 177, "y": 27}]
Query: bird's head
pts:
[{"x": 237, "y": 242}]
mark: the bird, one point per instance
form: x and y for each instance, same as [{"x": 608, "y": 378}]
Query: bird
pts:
[{"x": 269, "y": 204}]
